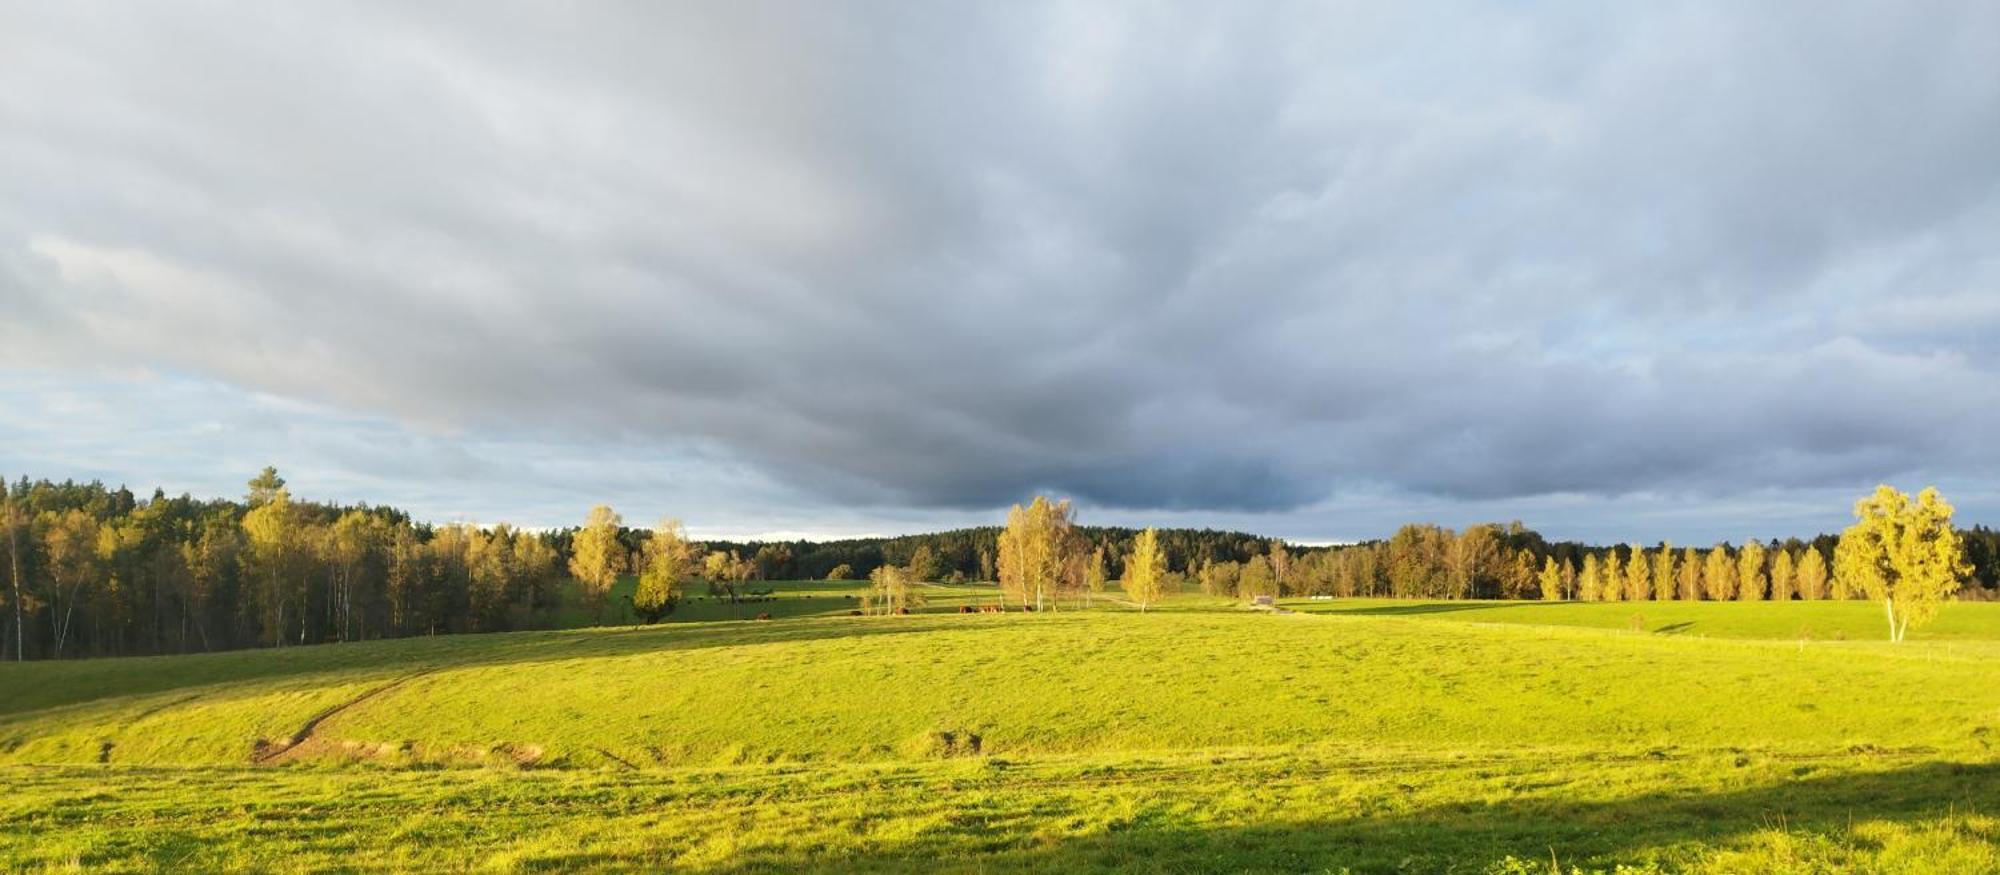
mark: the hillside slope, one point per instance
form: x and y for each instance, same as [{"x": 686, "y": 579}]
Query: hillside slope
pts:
[{"x": 848, "y": 689}]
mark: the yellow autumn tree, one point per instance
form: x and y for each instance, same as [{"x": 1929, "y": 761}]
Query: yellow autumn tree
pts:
[
  {"x": 1904, "y": 553},
  {"x": 894, "y": 592},
  {"x": 1688, "y": 584},
  {"x": 1035, "y": 551},
  {"x": 666, "y": 558},
  {"x": 1145, "y": 569},
  {"x": 597, "y": 558},
  {"x": 1550, "y": 580},
  {"x": 1665, "y": 573},
  {"x": 1784, "y": 576},
  {"x": 1812, "y": 574},
  {"x": 1750, "y": 571},
  {"x": 1094, "y": 576},
  {"x": 1590, "y": 583},
  {"x": 1638, "y": 576},
  {"x": 1718, "y": 575}
]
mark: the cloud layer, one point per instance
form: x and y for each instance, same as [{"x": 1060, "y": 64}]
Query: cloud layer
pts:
[{"x": 929, "y": 258}]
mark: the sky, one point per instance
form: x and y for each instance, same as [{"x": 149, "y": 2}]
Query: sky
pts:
[{"x": 1625, "y": 272}]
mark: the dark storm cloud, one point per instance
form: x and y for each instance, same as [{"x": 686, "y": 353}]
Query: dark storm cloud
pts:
[{"x": 1176, "y": 257}]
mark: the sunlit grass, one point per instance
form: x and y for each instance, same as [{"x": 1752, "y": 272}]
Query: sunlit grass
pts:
[{"x": 1201, "y": 737}]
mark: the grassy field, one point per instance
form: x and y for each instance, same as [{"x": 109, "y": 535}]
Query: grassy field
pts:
[
  {"x": 1366, "y": 735},
  {"x": 1810, "y": 621}
]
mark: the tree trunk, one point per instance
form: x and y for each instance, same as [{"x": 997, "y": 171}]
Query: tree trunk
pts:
[
  {"x": 14, "y": 559},
  {"x": 1889, "y": 608}
]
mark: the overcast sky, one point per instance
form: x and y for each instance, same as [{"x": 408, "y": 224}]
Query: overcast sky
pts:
[{"x": 1622, "y": 271}]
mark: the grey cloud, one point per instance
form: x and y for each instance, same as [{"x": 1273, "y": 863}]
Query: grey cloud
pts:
[{"x": 1176, "y": 257}]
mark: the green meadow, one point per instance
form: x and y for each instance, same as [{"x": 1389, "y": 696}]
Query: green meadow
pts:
[{"x": 1359, "y": 735}]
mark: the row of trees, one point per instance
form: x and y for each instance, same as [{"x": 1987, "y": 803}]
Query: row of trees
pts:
[
  {"x": 91, "y": 570},
  {"x": 1901, "y": 551},
  {"x": 96, "y": 571}
]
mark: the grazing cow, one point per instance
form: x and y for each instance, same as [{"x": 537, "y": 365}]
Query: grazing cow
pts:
[
  {"x": 965, "y": 609},
  {"x": 854, "y": 613},
  {"x": 902, "y": 610},
  {"x": 763, "y": 616}
]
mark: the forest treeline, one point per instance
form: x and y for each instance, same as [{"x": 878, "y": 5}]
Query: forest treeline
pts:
[{"x": 93, "y": 570}]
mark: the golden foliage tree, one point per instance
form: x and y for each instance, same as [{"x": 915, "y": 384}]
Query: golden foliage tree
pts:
[
  {"x": 1590, "y": 583},
  {"x": 1638, "y": 576},
  {"x": 1550, "y": 580},
  {"x": 1904, "y": 553},
  {"x": 1612, "y": 587},
  {"x": 597, "y": 558},
  {"x": 1783, "y": 576},
  {"x": 1145, "y": 569},
  {"x": 895, "y": 591},
  {"x": 1257, "y": 579},
  {"x": 277, "y": 552},
  {"x": 665, "y": 562},
  {"x": 1718, "y": 574},
  {"x": 1094, "y": 575},
  {"x": 1812, "y": 574},
  {"x": 1750, "y": 578},
  {"x": 1665, "y": 573},
  {"x": 1035, "y": 550},
  {"x": 1688, "y": 582}
]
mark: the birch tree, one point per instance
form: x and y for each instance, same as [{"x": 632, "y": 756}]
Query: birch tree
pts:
[
  {"x": 666, "y": 560},
  {"x": 597, "y": 558},
  {"x": 1145, "y": 568},
  {"x": 1903, "y": 553},
  {"x": 1750, "y": 578}
]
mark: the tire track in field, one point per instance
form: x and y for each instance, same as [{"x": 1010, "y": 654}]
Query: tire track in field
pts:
[{"x": 266, "y": 752}]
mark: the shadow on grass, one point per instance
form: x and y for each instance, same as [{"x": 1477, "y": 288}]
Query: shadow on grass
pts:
[
  {"x": 30, "y": 687},
  {"x": 1458, "y": 837},
  {"x": 1423, "y": 608}
]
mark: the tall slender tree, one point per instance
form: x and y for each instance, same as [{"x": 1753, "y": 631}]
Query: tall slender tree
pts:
[
  {"x": 597, "y": 557},
  {"x": 1638, "y": 576},
  {"x": 1718, "y": 574},
  {"x": 1750, "y": 579},
  {"x": 1783, "y": 575},
  {"x": 1145, "y": 569},
  {"x": 1688, "y": 584},
  {"x": 1666, "y": 573},
  {"x": 1590, "y": 583},
  {"x": 1812, "y": 574},
  {"x": 1550, "y": 580}
]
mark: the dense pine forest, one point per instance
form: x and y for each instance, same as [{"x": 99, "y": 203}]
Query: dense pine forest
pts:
[{"x": 95, "y": 571}]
